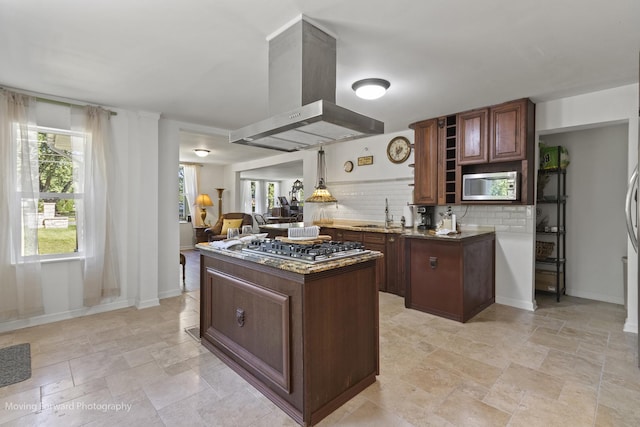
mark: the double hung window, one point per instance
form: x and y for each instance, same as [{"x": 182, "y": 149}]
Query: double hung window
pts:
[{"x": 60, "y": 166}]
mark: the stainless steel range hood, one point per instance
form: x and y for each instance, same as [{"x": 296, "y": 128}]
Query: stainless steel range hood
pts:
[{"x": 302, "y": 92}]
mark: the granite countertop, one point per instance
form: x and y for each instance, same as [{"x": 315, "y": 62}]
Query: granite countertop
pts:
[
  {"x": 292, "y": 264},
  {"x": 465, "y": 234},
  {"x": 470, "y": 231},
  {"x": 373, "y": 227}
]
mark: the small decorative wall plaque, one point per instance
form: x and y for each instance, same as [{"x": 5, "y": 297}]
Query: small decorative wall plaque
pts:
[{"x": 366, "y": 160}]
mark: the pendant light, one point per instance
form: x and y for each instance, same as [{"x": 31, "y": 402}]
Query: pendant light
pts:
[{"x": 321, "y": 194}]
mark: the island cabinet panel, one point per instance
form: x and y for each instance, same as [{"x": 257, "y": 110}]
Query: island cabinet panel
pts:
[
  {"x": 308, "y": 342},
  {"x": 450, "y": 278},
  {"x": 253, "y": 324}
]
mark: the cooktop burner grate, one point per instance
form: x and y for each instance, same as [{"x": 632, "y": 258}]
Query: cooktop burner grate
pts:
[{"x": 309, "y": 253}]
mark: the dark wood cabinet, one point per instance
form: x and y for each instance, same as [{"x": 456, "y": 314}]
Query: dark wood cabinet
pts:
[
  {"x": 495, "y": 134},
  {"x": 435, "y": 170},
  {"x": 473, "y": 132},
  {"x": 393, "y": 265},
  {"x": 452, "y": 278},
  {"x": 388, "y": 268},
  {"x": 508, "y": 127},
  {"x": 308, "y": 342},
  {"x": 425, "y": 189}
]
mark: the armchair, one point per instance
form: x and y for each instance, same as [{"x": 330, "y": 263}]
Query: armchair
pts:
[{"x": 216, "y": 232}]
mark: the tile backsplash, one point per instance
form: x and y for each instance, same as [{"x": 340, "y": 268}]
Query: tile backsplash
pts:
[{"x": 365, "y": 201}]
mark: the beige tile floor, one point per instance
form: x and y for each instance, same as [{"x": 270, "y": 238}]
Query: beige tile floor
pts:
[{"x": 567, "y": 364}]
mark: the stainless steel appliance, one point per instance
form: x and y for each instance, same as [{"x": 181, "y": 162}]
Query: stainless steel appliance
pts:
[
  {"x": 491, "y": 186},
  {"x": 426, "y": 217},
  {"x": 307, "y": 253},
  {"x": 302, "y": 95}
]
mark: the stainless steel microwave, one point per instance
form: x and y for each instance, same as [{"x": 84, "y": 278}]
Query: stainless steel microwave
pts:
[{"x": 490, "y": 186}]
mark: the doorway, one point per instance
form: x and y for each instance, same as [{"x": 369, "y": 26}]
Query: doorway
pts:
[{"x": 596, "y": 228}]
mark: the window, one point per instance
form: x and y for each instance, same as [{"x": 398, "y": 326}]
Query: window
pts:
[
  {"x": 270, "y": 198},
  {"x": 183, "y": 207},
  {"x": 270, "y": 195},
  {"x": 60, "y": 159}
]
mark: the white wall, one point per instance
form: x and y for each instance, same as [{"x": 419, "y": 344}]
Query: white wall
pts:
[
  {"x": 617, "y": 105},
  {"x": 596, "y": 231}
]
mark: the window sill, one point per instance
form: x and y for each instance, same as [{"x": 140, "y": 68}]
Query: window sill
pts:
[{"x": 55, "y": 259}]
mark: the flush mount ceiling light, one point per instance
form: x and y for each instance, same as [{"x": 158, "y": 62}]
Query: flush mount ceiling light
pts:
[
  {"x": 201, "y": 152},
  {"x": 370, "y": 88}
]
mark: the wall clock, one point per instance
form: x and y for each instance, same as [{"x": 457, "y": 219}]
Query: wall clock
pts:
[
  {"x": 398, "y": 149},
  {"x": 348, "y": 166}
]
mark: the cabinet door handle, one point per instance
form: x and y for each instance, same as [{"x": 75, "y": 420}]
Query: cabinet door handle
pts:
[
  {"x": 240, "y": 317},
  {"x": 391, "y": 239},
  {"x": 433, "y": 262}
]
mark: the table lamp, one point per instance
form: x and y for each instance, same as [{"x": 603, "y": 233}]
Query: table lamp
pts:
[{"x": 203, "y": 200}]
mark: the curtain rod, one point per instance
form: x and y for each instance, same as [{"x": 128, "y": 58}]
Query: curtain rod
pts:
[
  {"x": 68, "y": 104},
  {"x": 54, "y": 101},
  {"x": 191, "y": 164}
]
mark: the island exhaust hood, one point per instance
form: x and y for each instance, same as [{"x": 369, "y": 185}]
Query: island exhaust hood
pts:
[{"x": 302, "y": 92}]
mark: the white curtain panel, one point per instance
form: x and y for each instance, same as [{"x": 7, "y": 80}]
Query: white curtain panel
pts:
[
  {"x": 191, "y": 180},
  {"x": 20, "y": 278},
  {"x": 97, "y": 230}
]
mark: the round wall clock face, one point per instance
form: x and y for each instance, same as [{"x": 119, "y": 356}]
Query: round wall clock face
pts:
[
  {"x": 348, "y": 166},
  {"x": 398, "y": 149}
]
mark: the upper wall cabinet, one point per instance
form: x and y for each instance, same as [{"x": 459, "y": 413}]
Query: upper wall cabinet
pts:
[
  {"x": 508, "y": 126},
  {"x": 498, "y": 138},
  {"x": 435, "y": 174},
  {"x": 425, "y": 190},
  {"x": 495, "y": 134},
  {"x": 473, "y": 132}
]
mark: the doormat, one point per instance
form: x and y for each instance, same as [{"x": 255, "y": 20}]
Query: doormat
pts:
[
  {"x": 194, "y": 332},
  {"x": 15, "y": 364}
]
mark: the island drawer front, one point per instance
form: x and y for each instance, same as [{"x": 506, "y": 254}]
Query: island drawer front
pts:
[{"x": 253, "y": 326}]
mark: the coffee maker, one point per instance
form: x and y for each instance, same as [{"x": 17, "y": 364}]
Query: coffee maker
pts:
[{"x": 426, "y": 214}]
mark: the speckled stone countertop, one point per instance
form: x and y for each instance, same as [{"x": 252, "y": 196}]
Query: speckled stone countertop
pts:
[
  {"x": 373, "y": 227},
  {"x": 408, "y": 232},
  {"x": 290, "y": 265},
  {"x": 465, "y": 234}
]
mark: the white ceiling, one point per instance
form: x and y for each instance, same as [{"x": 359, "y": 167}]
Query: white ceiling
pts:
[{"x": 205, "y": 62}]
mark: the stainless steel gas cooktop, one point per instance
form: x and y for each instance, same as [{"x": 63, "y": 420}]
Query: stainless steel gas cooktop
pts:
[{"x": 309, "y": 253}]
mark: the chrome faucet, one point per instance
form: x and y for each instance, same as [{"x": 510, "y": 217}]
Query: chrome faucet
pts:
[{"x": 388, "y": 219}]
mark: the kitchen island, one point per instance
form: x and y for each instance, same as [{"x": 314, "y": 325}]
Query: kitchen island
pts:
[{"x": 305, "y": 335}]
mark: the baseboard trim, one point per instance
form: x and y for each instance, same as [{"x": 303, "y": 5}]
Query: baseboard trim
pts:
[
  {"x": 147, "y": 303},
  {"x": 525, "y": 305},
  {"x": 65, "y": 315},
  {"x": 170, "y": 294},
  {"x": 595, "y": 296},
  {"x": 630, "y": 327}
]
